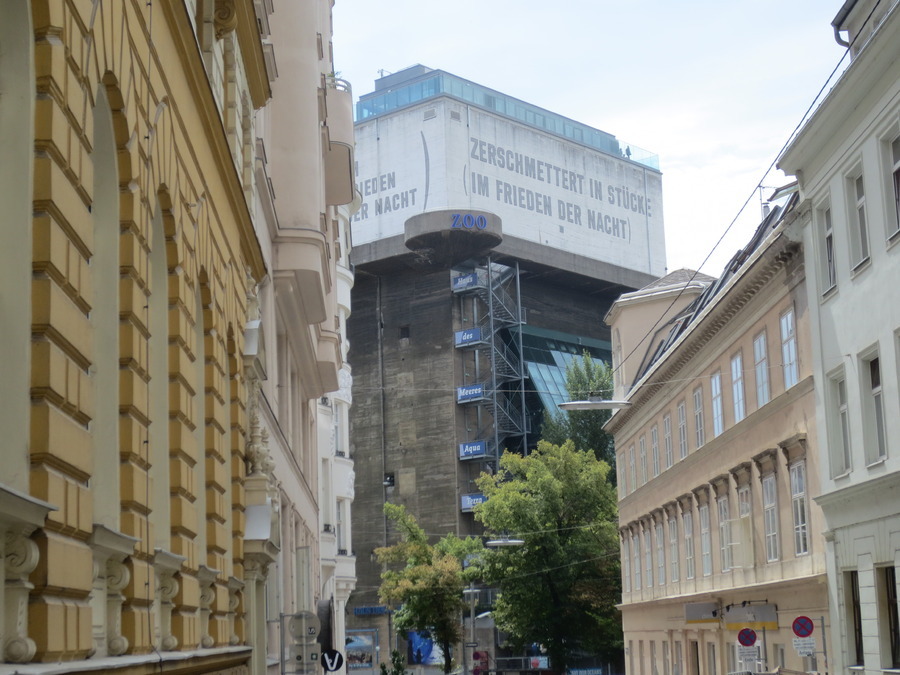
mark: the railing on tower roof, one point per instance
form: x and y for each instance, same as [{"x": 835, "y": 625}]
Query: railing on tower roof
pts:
[{"x": 434, "y": 83}]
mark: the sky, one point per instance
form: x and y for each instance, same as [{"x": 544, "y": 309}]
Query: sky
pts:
[{"x": 714, "y": 88}]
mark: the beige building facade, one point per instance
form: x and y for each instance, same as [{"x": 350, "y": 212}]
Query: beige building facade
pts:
[
  {"x": 717, "y": 463},
  {"x": 169, "y": 332},
  {"x": 847, "y": 162}
]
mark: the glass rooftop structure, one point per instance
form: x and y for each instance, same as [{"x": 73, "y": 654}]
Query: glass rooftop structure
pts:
[{"x": 419, "y": 83}]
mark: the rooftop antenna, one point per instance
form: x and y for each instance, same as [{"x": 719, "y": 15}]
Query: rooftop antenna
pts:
[{"x": 382, "y": 71}]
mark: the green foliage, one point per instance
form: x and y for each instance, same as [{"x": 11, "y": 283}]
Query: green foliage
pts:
[
  {"x": 584, "y": 376},
  {"x": 560, "y": 588},
  {"x": 398, "y": 665},
  {"x": 425, "y": 581}
]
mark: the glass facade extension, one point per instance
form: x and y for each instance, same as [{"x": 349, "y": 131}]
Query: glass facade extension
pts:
[
  {"x": 439, "y": 83},
  {"x": 546, "y": 355}
]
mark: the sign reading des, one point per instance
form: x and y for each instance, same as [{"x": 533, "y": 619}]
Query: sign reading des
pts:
[
  {"x": 470, "y": 501},
  {"x": 472, "y": 449},
  {"x": 469, "y": 393},
  {"x": 467, "y": 336}
]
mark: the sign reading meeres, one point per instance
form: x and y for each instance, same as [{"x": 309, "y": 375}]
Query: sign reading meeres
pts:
[{"x": 444, "y": 153}]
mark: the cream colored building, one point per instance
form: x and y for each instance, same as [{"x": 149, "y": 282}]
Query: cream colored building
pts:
[
  {"x": 717, "y": 464},
  {"x": 174, "y": 278},
  {"x": 847, "y": 161}
]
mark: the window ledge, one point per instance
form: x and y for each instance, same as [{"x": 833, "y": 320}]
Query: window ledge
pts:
[
  {"x": 841, "y": 476},
  {"x": 878, "y": 462},
  {"x": 861, "y": 266},
  {"x": 892, "y": 239},
  {"x": 829, "y": 292}
]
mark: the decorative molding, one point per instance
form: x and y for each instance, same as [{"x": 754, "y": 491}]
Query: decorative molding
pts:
[
  {"x": 225, "y": 18},
  {"x": 766, "y": 461},
  {"x": 794, "y": 448}
]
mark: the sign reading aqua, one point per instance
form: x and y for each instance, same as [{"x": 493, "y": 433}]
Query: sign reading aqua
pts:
[{"x": 472, "y": 449}]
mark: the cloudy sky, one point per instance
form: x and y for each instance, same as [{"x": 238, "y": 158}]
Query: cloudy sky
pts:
[{"x": 714, "y": 88}]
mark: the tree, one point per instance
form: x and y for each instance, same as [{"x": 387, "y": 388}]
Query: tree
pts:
[
  {"x": 425, "y": 580},
  {"x": 584, "y": 377},
  {"x": 560, "y": 588}
]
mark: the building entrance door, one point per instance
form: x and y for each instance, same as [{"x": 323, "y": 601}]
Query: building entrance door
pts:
[{"x": 693, "y": 665}]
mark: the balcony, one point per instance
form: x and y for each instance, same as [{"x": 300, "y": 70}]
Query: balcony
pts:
[{"x": 339, "y": 183}]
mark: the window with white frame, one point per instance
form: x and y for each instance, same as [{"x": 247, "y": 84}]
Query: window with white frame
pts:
[
  {"x": 840, "y": 419},
  {"x": 789, "y": 350},
  {"x": 737, "y": 387},
  {"x": 724, "y": 533},
  {"x": 798, "y": 508},
  {"x": 682, "y": 431},
  {"x": 620, "y": 472},
  {"x": 745, "y": 505},
  {"x": 859, "y": 229},
  {"x": 626, "y": 566},
  {"x": 632, "y": 483},
  {"x": 642, "y": 443},
  {"x": 890, "y": 623},
  {"x": 770, "y": 516},
  {"x": 876, "y": 445},
  {"x": 660, "y": 555},
  {"x": 673, "y": 549},
  {"x": 654, "y": 450},
  {"x": 636, "y": 560},
  {"x": 718, "y": 414},
  {"x": 828, "y": 272},
  {"x": 761, "y": 369},
  {"x": 687, "y": 521},
  {"x": 705, "y": 541},
  {"x": 667, "y": 441},
  {"x": 894, "y": 226},
  {"x": 648, "y": 557},
  {"x": 698, "y": 416}
]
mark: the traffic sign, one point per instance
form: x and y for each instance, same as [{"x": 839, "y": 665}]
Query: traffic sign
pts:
[
  {"x": 805, "y": 646},
  {"x": 332, "y": 660},
  {"x": 747, "y": 637},
  {"x": 802, "y": 626}
]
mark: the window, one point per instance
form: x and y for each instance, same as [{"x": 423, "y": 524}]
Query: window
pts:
[
  {"x": 859, "y": 232},
  {"x": 636, "y": 560},
  {"x": 626, "y": 566},
  {"x": 828, "y": 272},
  {"x": 715, "y": 387},
  {"x": 673, "y": 549},
  {"x": 698, "y": 415},
  {"x": 840, "y": 451},
  {"x": 654, "y": 450},
  {"x": 737, "y": 386},
  {"x": 798, "y": 508},
  {"x": 648, "y": 557},
  {"x": 632, "y": 469},
  {"x": 643, "y": 445},
  {"x": 620, "y": 473},
  {"x": 667, "y": 441},
  {"x": 770, "y": 516},
  {"x": 687, "y": 520},
  {"x": 724, "y": 533},
  {"x": 890, "y": 615},
  {"x": 705, "y": 541},
  {"x": 682, "y": 431},
  {"x": 660, "y": 555},
  {"x": 895, "y": 180},
  {"x": 876, "y": 445},
  {"x": 789, "y": 350},
  {"x": 761, "y": 366},
  {"x": 745, "y": 506},
  {"x": 854, "y": 621}
]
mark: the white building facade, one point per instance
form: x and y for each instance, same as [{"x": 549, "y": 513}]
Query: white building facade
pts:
[{"x": 847, "y": 160}]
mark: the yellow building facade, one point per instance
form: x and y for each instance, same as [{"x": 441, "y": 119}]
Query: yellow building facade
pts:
[
  {"x": 717, "y": 463},
  {"x": 132, "y": 252}
]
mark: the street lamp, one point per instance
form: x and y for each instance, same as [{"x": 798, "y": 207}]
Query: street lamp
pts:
[{"x": 503, "y": 541}]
